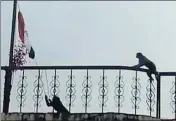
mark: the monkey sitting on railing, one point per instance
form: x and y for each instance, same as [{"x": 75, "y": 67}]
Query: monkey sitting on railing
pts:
[
  {"x": 57, "y": 105},
  {"x": 143, "y": 61}
]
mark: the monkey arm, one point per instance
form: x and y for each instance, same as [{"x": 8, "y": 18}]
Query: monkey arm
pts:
[
  {"x": 138, "y": 66},
  {"x": 141, "y": 63},
  {"x": 135, "y": 66},
  {"x": 48, "y": 101}
]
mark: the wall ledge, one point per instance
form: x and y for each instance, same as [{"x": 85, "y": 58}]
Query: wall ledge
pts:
[{"x": 14, "y": 116}]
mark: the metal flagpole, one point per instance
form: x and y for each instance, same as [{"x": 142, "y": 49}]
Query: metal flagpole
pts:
[{"x": 9, "y": 69}]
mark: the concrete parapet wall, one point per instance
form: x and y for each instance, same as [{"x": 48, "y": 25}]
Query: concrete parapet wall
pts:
[{"x": 77, "y": 117}]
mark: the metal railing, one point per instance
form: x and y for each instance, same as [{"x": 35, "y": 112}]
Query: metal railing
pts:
[{"x": 153, "y": 89}]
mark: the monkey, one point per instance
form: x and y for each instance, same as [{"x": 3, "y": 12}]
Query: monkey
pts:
[
  {"x": 57, "y": 105},
  {"x": 143, "y": 61}
]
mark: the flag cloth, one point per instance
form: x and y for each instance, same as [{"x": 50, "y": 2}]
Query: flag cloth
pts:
[{"x": 23, "y": 34}]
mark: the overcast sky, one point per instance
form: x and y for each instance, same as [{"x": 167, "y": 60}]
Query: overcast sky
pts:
[{"x": 97, "y": 33}]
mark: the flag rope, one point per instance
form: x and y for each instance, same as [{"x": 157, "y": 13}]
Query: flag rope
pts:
[
  {"x": 37, "y": 64},
  {"x": 45, "y": 77}
]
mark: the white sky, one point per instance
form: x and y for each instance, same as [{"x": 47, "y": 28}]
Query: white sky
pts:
[{"x": 96, "y": 33}]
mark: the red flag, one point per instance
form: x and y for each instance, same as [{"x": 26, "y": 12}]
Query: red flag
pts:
[
  {"x": 23, "y": 34},
  {"x": 21, "y": 26}
]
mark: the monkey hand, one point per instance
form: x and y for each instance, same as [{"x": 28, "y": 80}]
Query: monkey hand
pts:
[
  {"x": 48, "y": 101},
  {"x": 135, "y": 66}
]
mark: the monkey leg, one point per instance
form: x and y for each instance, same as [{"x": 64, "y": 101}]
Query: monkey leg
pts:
[
  {"x": 149, "y": 74},
  {"x": 156, "y": 75},
  {"x": 153, "y": 71}
]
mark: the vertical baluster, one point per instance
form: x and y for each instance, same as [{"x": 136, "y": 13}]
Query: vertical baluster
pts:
[
  {"x": 22, "y": 86},
  {"x": 55, "y": 84},
  {"x": 86, "y": 97},
  {"x": 119, "y": 91},
  {"x": 21, "y": 91},
  {"x": 150, "y": 96},
  {"x": 86, "y": 92},
  {"x": 70, "y": 91},
  {"x": 38, "y": 87},
  {"x": 135, "y": 93},
  {"x": 173, "y": 97},
  {"x": 103, "y": 90},
  {"x": 158, "y": 96},
  {"x": 54, "y": 90},
  {"x": 38, "y": 90},
  {"x": 70, "y": 97}
]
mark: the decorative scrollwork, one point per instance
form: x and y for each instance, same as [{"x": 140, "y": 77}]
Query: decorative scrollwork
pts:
[
  {"x": 70, "y": 97},
  {"x": 136, "y": 93},
  {"x": 173, "y": 96},
  {"x": 54, "y": 85},
  {"x": 103, "y": 90},
  {"x": 86, "y": 97},
  {"x": 150, "y": 96},
  {"x": 119, "y": 91},
  {"x": 38, "y": 91},
  {"x": 21, "y": 91}
]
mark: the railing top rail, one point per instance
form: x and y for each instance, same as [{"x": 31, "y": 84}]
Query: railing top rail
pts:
[
  {"x": 76, "y": 68},
  {"x": 87, "y": 67},
  {"x": 167, "y": 73}
]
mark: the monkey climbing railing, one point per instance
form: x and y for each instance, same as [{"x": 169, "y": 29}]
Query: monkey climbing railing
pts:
[{"x": 111, "y": 85}]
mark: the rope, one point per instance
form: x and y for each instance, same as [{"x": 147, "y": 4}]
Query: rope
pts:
[
  {"x": 37, "y": 63},
  {"x": 47, "y": 82},
  {"x": 35, "y": 58},
  {"x": 46, "y": 79},
  {"x": 18, "y": 6}
]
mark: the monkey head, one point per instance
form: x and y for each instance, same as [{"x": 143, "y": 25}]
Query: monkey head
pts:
[{"x": 138, "y": 55}]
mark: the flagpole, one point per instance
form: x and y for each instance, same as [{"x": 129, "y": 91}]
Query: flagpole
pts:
[{"x": 8, "y": 75}]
